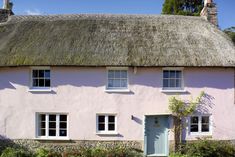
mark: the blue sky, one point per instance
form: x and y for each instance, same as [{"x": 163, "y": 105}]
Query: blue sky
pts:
[{"x": 226, "y": 8}]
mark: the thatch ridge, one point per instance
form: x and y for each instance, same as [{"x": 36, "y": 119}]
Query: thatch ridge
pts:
[{"x": 113, "y": 40}]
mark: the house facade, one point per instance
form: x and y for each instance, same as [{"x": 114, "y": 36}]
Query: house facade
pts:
[{"x": 108, "y": 78}]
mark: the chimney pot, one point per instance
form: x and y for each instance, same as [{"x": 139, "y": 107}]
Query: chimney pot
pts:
[
  {"x": 210, "y": 12},
  {"x": 6, "y": 11}
]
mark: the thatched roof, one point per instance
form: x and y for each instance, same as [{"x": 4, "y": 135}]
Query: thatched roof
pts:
[{"x": 113, "y": 40}]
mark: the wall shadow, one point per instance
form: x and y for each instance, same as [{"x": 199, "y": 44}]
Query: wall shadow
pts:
[{"x": 202, "y": 109}]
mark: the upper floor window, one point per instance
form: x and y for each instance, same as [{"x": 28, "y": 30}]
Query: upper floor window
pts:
[
  {"x": 172, "y": 80},
  {"x": 117, "y": 79},
  {"x": 52, "y": 125},
  {"x": 200, "y": 124},
  {"x": 41, "y": 78},
  {"x": 106, "y": 123}
]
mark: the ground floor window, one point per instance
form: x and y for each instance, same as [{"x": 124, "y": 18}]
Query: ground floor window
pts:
[
  {"x": 52, "y": 125},
  {"x": 106, "y": 123},
  {"x": 200, "y": 124}
]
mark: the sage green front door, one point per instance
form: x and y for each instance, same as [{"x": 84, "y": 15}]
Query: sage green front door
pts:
[{"x": 156, "y": 135}]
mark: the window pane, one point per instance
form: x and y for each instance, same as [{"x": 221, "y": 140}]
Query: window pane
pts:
[
  {"x": 165, "y": 74},
  {"x": 43, "y": 125},
  {"x": 124, "y": 74},
  {"x": 52, "y": 117},
  {"x": 35, "y": 82},
  {"x": 101, "y": 127},
  {"x": 41, "y": 73},
  {"x": 42, "y": 132},
  {"x": 165, "y": 83},
  {"x": 63, "y": 118},
  {"x": 178, "y": 83},
  {"x": 41, "y": 82},
  {"x": 178, "y": 74},
  {"x": 205, "y": 119},
  {"x": 63, "y": 125},
  {"x": 172, "y": 74},
  {"x": 194, "y": 128},
  {"x": 47, "y": 83},
  {"x": 123, "y": 83},
  {"x": 47, "y": 73},
  {"x": 52, "y": 125},
  {"x": 194, "y": 120},
  {"x": 110, "y": 83},
  {"x": 116, "y": 83},
  {"x": 101, "y": 119},
  {"x": 117, "y": 74},
  {"x": 172, "y": 82},
  {"x": 205, "y": 128},
  {"x": 42, "y": 117},
  {"x": 52, "y": 132},
  {"x": 111, "y": 127},
  {"x": 63, "y": 132},
  {"x": 111, "y": 118},
  {"x": 35, "y": 73},
  {"x": 110, "y": 74}
]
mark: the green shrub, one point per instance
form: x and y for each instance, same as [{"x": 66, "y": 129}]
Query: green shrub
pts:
[
  {"x": 178, "y": 155},
  {"x": 13, "y": 152},
  {"x": 41, "y": 152},
  {"x": 210, "y": 148},
  {"x": 118, "y": 151},
  {"x": 103, "y": 152}
]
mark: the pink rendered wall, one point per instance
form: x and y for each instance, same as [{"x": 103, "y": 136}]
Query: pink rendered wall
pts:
[{"x": 80, "y": 92}]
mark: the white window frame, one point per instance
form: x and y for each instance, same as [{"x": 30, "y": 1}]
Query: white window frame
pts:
[
  {"x": 47, "y": 137},
  {"x": 200, "y": 133},
  {"x": 172, "y": 89},
  {"x": 108, "y": 89},
  {"x": 106, "y": 131},
  {"x": 39, "y": 89}
]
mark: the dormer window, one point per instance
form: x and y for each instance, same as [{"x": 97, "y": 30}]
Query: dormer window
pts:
[{"x": 172, "y": 79}]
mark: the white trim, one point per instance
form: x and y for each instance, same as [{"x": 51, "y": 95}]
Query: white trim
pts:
[
  {"x": 200, "y": 133},
  {"x": 47, "y": 137},
  {"x": 116, "y": 89},
  {"x": 52, "y": 139},
  {"x": 174, "y": 89},
  {"x": 38, "y": 89},
  {"x": 106, "y": 131}
]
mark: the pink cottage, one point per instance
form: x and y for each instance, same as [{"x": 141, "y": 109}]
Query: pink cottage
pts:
[{"x": 67, "y": 80}]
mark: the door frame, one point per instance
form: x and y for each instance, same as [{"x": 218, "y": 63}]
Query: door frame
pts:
[{"x": 167, "y": 137}]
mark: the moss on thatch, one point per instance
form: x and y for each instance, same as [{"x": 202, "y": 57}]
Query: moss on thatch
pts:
[{"x": 113, "y": 40}]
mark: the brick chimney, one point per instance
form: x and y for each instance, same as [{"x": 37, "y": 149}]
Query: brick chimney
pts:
[
  {"x": 210, "y": 12},
  {"x": 6, "y": 11}
]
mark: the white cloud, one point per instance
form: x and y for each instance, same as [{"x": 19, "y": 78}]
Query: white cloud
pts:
[{"x": 33, "y": 12}]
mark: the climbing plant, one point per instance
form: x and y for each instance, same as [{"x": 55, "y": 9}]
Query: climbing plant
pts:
[{"x": 181, "y": 109}]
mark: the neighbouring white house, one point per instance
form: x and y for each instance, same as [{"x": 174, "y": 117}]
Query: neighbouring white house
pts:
[{"x": 89, "y": 78}]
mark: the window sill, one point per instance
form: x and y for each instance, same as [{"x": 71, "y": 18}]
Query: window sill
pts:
[
  {"x": 52, "y": 139},
  {"x": 117, "y": 90},
  {"x": 200, "y": 134},
  {"x": 40, "y": 90},
  {"x": 173, "y": 91},
  {"x": 107, "y": 133}
]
